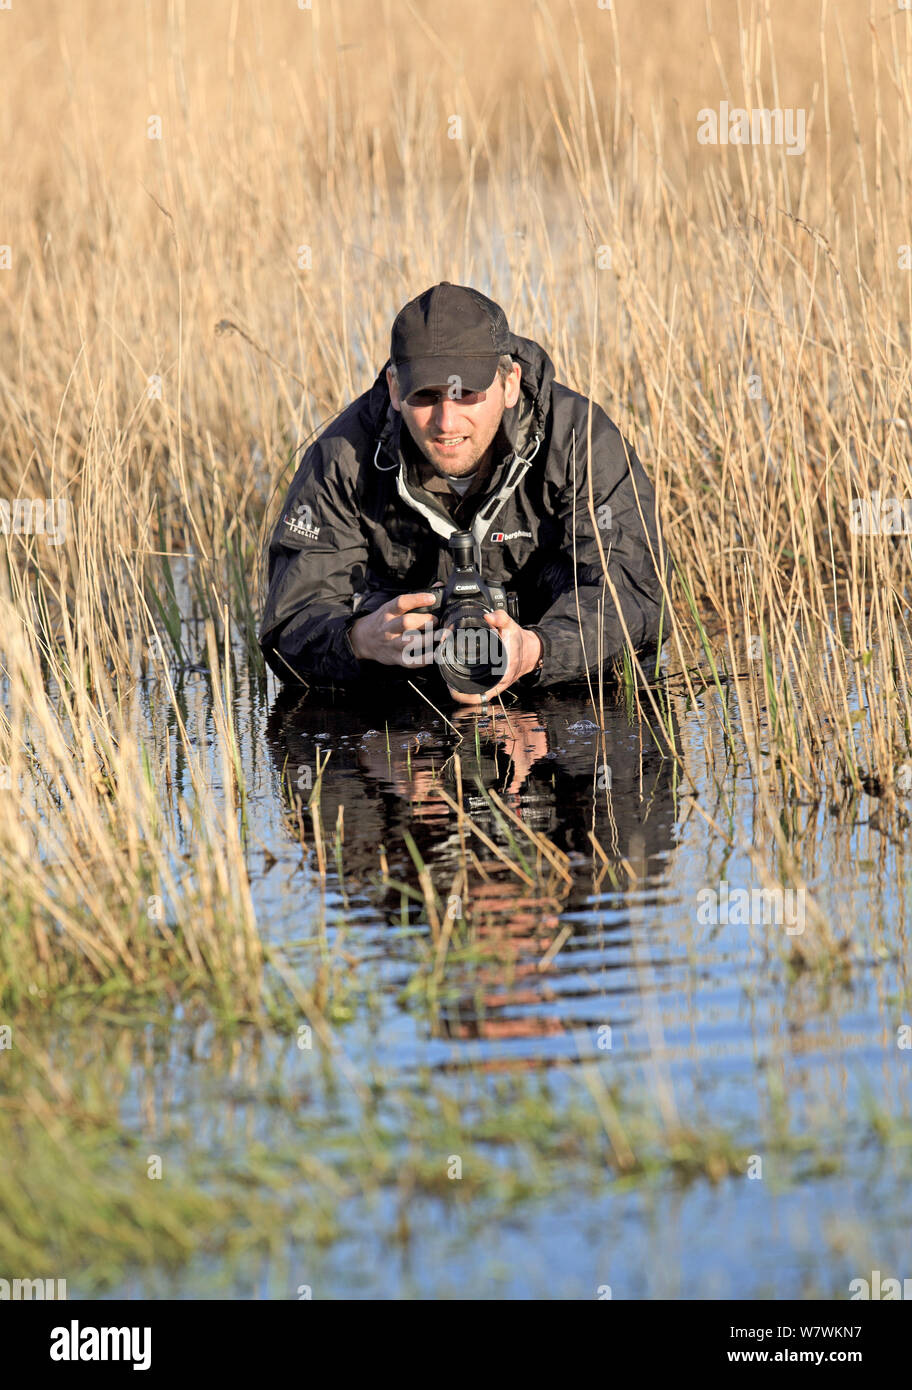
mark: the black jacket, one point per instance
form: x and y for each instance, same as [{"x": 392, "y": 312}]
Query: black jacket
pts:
[{"x": 358, "y": 528}]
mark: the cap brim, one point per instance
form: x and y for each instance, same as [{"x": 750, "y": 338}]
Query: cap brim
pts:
[{"x": 464, "y": 373}]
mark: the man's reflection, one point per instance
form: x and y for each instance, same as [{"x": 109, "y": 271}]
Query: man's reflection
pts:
[{"x": 394, "y": 769}]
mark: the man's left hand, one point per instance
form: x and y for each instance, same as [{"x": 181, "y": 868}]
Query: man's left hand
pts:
[{"x": 523, "y": 651}]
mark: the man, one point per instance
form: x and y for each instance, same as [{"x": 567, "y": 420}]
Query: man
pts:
[{"x": 559, "y": 507}]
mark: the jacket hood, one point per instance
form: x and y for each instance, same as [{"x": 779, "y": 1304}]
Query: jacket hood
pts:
[{"x": 523, "y": 423}]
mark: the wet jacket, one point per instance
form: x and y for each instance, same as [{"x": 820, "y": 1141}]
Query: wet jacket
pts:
[{"x": 358, "y": 528}]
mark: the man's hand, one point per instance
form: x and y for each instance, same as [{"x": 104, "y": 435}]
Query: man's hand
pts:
[
  {"x": 523, "y": 650},
  {"x": 393, "y": 634}
]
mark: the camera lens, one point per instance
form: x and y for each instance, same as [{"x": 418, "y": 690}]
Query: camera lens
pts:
[{"x": 472, "y": 658}]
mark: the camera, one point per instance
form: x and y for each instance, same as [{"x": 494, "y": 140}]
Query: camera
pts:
[{"x": 471, "y": 656}]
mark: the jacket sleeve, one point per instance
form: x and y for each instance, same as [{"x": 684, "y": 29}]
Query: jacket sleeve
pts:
[
  {"x": 620, "y": 493},
  {"x": 318, "y": 561}
]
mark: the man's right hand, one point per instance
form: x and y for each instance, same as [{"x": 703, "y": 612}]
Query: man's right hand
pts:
[{"x": 395, "y": 635}]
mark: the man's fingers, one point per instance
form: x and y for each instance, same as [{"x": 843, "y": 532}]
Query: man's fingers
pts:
[
  {"x": 401, "y": 629},
  {"x": 412, "y": 622},
  {"x": 406, "y": 602}
]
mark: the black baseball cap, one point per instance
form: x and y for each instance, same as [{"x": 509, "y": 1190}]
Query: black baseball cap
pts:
[{"x": 448, "y": 331}]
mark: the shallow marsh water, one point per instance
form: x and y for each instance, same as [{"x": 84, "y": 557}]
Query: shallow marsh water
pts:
[{"x": 606, "y": 1065}]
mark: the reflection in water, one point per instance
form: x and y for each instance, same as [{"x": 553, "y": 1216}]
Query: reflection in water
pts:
[{"x": 547, "y": 940}]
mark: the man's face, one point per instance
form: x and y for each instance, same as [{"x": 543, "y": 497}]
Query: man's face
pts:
[{"x": 454, "y": 433}]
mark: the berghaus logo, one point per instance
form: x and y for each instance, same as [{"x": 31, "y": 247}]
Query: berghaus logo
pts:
[{"x": 510, "y": 535}]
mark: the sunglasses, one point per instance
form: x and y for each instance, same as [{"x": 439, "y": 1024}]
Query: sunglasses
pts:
[{"x": 433, "y": 396}]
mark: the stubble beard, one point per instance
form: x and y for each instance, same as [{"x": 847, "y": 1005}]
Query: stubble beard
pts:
[{"x": 477, "y": 458}]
